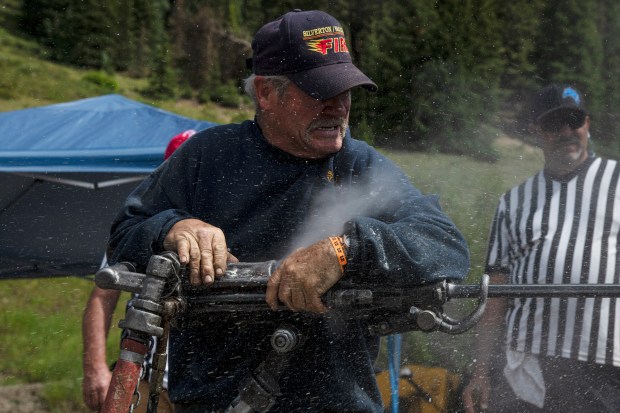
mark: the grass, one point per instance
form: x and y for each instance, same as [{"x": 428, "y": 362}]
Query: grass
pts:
[{"x": 40, "y": 330}]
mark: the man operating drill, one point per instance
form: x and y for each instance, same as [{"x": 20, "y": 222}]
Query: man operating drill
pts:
[{"x": 250, "y": 191}]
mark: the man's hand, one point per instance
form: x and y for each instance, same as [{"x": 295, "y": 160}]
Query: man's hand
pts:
[
  {"x": 95, "y": 387},
  {"x": 303, "y": 277},
  {"x": 95, "y": 328},
  {"x": 476, "y": 393},
  {"x": 488, "y": 347},
  {"x": 202, "y": 246}
]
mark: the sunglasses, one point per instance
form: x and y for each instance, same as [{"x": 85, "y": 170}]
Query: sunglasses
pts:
[{"x": 555, "y": 123}]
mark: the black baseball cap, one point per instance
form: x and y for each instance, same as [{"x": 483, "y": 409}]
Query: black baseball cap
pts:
[
  {"x": 308, "y": 47},
  {"x": 557, "y": 100}
]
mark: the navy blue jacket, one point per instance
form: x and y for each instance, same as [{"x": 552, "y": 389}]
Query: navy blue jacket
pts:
[{"x": 268, "y": 203}]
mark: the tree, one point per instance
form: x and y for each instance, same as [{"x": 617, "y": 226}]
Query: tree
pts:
[
  {"x": 438, "y": 73},
  {"x": 110, "y": 34},
  {"x": 569, "y": 48},
  {"x": 162, "y": 78},
  {"x": 87, "y": 27},
  {"x": 519, "y": 22},
  {"x": 607, "y": 123},
  {"x": 393, "y": 50},
  {"x": 442, "y": 66}
]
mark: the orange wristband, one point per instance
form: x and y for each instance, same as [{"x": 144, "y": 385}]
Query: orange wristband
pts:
[{"x": 338, "y": 244}]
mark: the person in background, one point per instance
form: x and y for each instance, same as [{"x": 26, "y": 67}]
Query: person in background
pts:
[
  {"x": 252, "y": 191},
  {"x": 95, "y": 329},
  {"x": 559, "y": 226}
]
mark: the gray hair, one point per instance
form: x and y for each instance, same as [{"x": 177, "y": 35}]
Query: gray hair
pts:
[{"x": 279, "y": 82}]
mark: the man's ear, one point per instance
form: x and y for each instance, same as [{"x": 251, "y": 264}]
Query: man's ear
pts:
[{"x": 264, "y": 93}]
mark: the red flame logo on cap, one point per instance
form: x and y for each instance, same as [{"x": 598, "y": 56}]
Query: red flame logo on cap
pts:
[{"x": 336, "y": 44}]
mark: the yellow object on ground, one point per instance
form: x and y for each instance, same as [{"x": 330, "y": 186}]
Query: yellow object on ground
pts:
[{"x": 421, "y": 389}]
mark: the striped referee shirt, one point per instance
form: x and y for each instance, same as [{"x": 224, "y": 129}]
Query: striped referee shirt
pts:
[{"x": 549, "y": 230}]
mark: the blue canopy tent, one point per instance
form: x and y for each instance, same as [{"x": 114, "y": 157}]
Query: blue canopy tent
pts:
[{"x": 65, "y": 171}]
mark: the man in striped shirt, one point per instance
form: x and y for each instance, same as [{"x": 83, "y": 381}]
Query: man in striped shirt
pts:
[{"x": 559, "y": 226}]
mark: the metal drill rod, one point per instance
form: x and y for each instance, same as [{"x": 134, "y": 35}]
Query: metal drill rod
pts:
[
  {"x": 241, "y": 290},
  {"x": 535, "y": 290}
]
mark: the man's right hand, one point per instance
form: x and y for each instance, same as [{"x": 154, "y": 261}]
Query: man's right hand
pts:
[
  {"x": 202, "y": 247},
  {"x": 95, "y": 387},
  {"x": 476, "y": 393},
  {"x": 488, "y": 350},
  {"x": 303, "y": 277}
]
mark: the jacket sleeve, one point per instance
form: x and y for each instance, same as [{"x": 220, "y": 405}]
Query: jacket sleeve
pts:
[
  {"x": 403, "y": 237},
  {"x": 148, "y": 214}
]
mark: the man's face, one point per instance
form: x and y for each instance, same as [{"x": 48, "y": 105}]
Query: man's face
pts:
[
  {"x": 563, "y": 138},
  {"x": 303, "y": 126}
]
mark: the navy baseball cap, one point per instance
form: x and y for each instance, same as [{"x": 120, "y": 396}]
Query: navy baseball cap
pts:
[
  {"x": 308, "y": 47},
  {"x": 557, "y": 100}
]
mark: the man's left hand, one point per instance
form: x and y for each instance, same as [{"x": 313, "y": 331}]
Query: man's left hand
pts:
[{"x": 303, "y": 277}]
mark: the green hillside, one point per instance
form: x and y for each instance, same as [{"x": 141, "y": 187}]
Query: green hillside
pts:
[{"x": 29, "y": 79}]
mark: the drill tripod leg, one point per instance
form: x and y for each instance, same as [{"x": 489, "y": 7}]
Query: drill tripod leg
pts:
[{"x": 125, "y": 377}]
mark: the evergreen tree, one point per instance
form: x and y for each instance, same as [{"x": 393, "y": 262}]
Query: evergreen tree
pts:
[
  {"x": 40, "y": 17},
  {"x": 441, "y": 65},
  {"x": 569, "y": 47},
  {"x": 45, "y": 20},
  {"x": 162, "y": 78},
  {"x": 606, "y": 126},
  {"x": 395, "y": 49},
  {"x": 519, "y": 21},
  {"x": 126, "y": 36},
  {"x": 76, "y": 31},
  {"x": 362, "y": 44},
  {"x": 438, "y": 66},
  {"x": 194, "y": 44},
  {"x": 87, "y": 26},
  {"x": 234, "y": 15},
  {"x": 152, "y": 49},
  {"x": 111, "y": 34}
]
